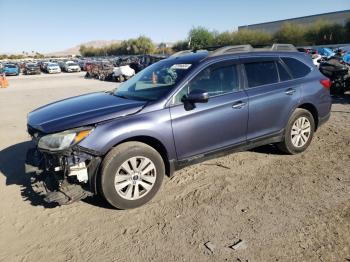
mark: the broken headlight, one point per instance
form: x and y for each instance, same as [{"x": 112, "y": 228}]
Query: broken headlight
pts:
[{"x": 63, "y": 140}]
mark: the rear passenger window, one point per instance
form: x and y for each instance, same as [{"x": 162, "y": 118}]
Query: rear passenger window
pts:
[
  {"x": 284, "y": 75},
  {"x": 296, "y": 67},
  {"x": 261, "y": 73}
]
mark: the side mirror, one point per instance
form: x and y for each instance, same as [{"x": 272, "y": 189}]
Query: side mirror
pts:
[{"x": 197, "y": 96}]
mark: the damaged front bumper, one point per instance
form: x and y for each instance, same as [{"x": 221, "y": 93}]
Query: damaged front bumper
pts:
[{"x": 63, "y": 177}]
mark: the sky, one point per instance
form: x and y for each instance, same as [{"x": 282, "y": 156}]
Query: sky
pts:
[{"x": 47, "y": 25}]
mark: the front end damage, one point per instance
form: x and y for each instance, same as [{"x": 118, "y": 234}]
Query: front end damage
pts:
[{"x": 63, "y": 177}]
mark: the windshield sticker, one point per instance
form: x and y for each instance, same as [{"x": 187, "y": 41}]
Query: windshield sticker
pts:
[{"x": 181, "y": 66}]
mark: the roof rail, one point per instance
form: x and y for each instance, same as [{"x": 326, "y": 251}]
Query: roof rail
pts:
[
  {"x": 283, "y": 47},
  {"x": 181, "y": 53},
  {"x": 232, "y": 49}
]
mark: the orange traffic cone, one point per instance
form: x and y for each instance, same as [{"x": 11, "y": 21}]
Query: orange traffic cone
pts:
[{"x": 3, "y": 81}]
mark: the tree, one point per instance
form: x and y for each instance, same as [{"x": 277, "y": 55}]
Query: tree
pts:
[
  {"x": 291, "y": 33},
  {"x": 253, "y": 37},
  {"x": 224, "y": 38},
  {"x": 324, "y": 32},
  {"x": 200, "y": 37},
  {"x": 180, "y": 46}
]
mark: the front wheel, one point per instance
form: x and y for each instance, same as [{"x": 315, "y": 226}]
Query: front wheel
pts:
[
  {"x": 131, "y": 175},
  {"x": 298, "y": 133}
]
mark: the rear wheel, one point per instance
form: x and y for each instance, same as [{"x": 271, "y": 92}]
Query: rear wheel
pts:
[
  {"x": 132, "y": 173},
  {"x": 298, "y": 133}
]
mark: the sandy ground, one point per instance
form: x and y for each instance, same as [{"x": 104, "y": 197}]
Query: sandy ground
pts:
[{"x": 283, "y": 208}]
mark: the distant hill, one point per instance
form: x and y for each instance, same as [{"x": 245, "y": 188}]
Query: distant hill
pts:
[{"x": 75, "y": 50}]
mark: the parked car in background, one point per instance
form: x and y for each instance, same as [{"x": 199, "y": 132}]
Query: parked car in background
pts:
[
  {"x": 61, "y": 65},
  {"x": 123, "y": 73},
  {"x": 43, "y": 65},
  {"x": 174, "y": 113},
  {"x": 105, "y": 70},
  {"x": 71, "y": 66},
  {"x": 82, "y": 64},
  {"x": 53, "y": 68},
  {"x": 11, "y": 70},
  {"x": 32, "y": 69},
  {"x": 87, "y": 64}
]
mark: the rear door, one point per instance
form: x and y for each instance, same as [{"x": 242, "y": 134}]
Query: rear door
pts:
[{"x": 272, "y": 95}]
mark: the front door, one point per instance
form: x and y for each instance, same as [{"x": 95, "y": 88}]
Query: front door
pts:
[{"x": 219, "y": 123}]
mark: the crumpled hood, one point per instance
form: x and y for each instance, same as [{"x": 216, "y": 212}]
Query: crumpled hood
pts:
[{"x": 81, "y": 111}]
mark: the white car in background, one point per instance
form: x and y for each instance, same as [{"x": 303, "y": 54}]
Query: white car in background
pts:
[
  {"x": 71, "y": 66},
  {"x": 123, "y": 73},
  {"x": 53, "y": 68}
]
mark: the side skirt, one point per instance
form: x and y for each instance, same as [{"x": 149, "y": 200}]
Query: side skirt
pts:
[{"x": 270, "y": 139}]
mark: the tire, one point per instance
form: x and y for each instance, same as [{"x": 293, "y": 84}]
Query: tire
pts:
[
  {"x": 302, "y": 124},
  {"x": 114, "y": 175}
]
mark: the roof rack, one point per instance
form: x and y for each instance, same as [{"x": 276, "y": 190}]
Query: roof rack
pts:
[
  {"x": 283, "y": 47},
  {"x": 232, "y": 49},
  {"x": 248, "y": 48},
  {"x": 181, "y": 53}
]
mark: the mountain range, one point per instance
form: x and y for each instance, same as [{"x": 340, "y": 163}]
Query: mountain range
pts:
[{"x": 75, "y": 50}]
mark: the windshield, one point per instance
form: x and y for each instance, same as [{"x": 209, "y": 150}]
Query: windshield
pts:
[
  {"x": 31, "y": 65},
  {"x": 52, "y": 64},
  {"x": 10, "y": 66},
  {"x": 72, "y": 64},
  {"x": 154, "y": 81}
]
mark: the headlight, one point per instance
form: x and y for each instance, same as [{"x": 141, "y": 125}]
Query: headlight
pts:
[{"x": 63, "y": 140}]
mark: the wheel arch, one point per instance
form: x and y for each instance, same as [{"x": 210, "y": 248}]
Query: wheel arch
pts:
[
  {"x": 313, "y": 110},
  {"x": 157, "y": 145}
]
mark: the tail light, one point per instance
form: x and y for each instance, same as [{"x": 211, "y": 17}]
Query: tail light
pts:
[{"x": 326, "y": 83}]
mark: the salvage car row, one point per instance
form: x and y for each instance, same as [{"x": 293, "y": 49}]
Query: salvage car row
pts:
[
  {"x": 105, "y": 68},
  {"x": 38, "y": 67}
]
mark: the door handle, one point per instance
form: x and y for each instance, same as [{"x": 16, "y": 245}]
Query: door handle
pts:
[
  {"x": 290, "y": 91},
  {"x": 239, "y": 105}
]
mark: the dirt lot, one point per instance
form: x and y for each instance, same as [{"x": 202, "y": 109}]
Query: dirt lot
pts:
[{"x": 284, "y": 208}]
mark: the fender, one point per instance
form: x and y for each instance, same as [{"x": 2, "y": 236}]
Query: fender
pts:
[{"x": 156, "y": 124}]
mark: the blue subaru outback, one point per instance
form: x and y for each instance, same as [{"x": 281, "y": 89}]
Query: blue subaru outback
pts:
[{"x": 182, "y": 110}]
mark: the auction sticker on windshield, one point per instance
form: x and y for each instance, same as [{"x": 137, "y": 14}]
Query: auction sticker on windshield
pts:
[{"x": 181, "y": 66}]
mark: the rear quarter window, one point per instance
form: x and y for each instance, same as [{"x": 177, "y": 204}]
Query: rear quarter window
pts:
[{"x": 297, "y": 68}]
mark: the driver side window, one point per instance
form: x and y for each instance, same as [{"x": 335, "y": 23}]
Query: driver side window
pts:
[{"x": 215, "y": 79}]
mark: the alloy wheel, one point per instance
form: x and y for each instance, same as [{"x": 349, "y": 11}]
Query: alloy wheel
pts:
[{"x": 135, "y": 178}]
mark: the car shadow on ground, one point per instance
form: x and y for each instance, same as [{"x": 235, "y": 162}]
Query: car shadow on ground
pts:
[
  {"x": 267, "y": 149},
  {"x": 12, "y": 166},
  {"x": 342, "y": 100}
]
